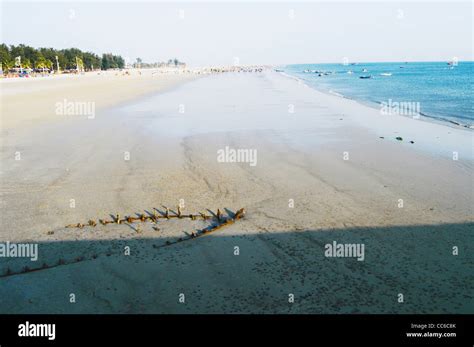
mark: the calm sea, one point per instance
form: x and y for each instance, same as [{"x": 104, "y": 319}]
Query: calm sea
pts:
[{"x": 438, "y": 90}]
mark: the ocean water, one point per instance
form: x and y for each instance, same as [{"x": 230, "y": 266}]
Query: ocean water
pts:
[{"x": 435, "y": 89}]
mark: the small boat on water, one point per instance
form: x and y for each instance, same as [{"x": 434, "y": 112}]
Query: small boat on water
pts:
[
  {"x": 386, "y": 74},
  {"x": 350, "y": 72},
  {"x": 364, "y": 70},
  {"x": 365, "y": 77}
]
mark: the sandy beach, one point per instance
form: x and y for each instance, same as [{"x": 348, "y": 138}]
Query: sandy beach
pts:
[
  {"x": 31, "y": 101},
  {"x": 326, "y": 169}
]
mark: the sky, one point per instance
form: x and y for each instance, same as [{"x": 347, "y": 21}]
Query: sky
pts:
[{"x": 249, "y": 32}]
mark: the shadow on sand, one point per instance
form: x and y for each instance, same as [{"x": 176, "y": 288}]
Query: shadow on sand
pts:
[{"x": 234, "y": 271}]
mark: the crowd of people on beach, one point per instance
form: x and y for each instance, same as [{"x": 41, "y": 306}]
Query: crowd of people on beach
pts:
[
  {"x": 214, "y": 70},
  {"x": 133, "y": 71}
]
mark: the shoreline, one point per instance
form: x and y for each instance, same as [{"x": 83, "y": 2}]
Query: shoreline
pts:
[
  {"x": 371, "y": 118},
  {"x": 376, "y": 105}
]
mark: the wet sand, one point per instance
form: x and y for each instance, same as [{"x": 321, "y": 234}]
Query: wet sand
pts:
[{"x": 301, "y": 137}]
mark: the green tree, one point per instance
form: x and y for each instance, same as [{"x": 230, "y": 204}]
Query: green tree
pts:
[
  {"x": 91, "y": 61},
  {"x": 106, "y": 63},
  {"x": 26, "y": 63},
  {"x": 120, "y": 62},
  {"x": 41, "y": 62},
  {"x": 67, "y": 58},
  {"x": 5, "y": 57}
]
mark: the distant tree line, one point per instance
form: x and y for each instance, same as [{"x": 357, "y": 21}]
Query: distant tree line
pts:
[
  {"x": 171, "y": 63},
  {"x": 110, "y": 61},
  {"x": 68, "y": 59}
]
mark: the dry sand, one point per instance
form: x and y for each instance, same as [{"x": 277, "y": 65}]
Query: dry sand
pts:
[
  {"x": 173, "y": 156},
  {"x": 32, "y": 101}
]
